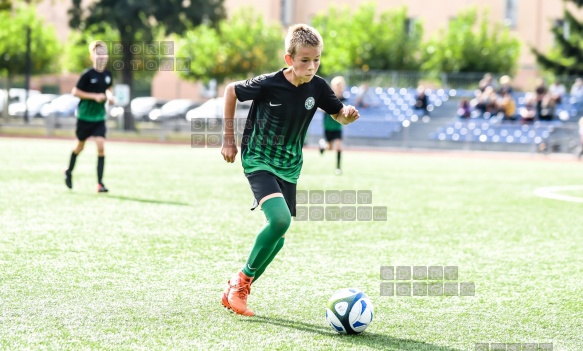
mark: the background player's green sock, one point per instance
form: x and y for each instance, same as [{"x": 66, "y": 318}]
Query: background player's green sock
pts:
[
  {"x": 278, "y": 220},
  {"x": 338, "y": 159},
  {"x": 261, "y": 269}
]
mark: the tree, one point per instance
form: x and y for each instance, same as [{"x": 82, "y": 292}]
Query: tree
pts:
[
  {"x": 566, "y": 58},
  {"x": 242, "y": 46},
  {"x": 77, "y": 52},
  {"x": 364, "y": 39},
  {"x": 5, "y": 5},
  {"x": 464, "y": 48},
  {"x": 136, "y": 22},
  {"x": 13, "y": 42}
]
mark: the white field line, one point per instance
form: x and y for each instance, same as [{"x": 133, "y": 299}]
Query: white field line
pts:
[{"x": 552, "y": 192}]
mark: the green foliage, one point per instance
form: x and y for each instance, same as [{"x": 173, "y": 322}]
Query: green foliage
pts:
[
  {"x": 131, "y": 16},
  {"x": 77, "y": 52},
  {"x": 139, "y": 22},
  {"x": 566, "y": 57},
  {"x": 469, "y": 46},
  {"x": 242, "y": 46},
  {"x": 5, "y": 5},
  {"x": 44, "y": 44},
  {"x": 364, "y": 39}
]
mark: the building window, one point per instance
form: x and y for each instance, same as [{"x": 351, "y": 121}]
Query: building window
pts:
[
  {"x": 564, "y": 26},
  {"x": 410, "y": 25},
  {"x": 510, "y": 13},
  {"x": 287, "y": 7}
]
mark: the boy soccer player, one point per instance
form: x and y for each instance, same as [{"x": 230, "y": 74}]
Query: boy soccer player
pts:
[
  {"x": 93, "y": 88},
  {"x": 284, "y": 103},
  {"x": 333, "y": 129}
]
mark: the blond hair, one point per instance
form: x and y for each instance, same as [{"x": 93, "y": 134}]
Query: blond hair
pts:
[
  {"x": 336, "y": 81},
  {"x": 302, "y": 35},
  {"x": 98, "y": 47}
]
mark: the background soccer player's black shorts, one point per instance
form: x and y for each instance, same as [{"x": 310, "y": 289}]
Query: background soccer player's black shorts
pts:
[
  {"x": 265, "y": 183},
  {"x": 332, "y": 135},
  {"x": 87, "y": 129}
]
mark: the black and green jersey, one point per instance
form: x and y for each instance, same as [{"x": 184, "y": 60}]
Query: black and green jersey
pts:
[
  {"x": 278, "y": 121},
  {"x": 92, "y": 81},
  {"x": 330, "y": 123}
]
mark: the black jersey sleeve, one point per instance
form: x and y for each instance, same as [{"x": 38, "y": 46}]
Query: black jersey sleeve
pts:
[
  {"x": 328, "y": 100},
  {"x": 250, "y": 89},
  {"x": 83, "y": 82}
]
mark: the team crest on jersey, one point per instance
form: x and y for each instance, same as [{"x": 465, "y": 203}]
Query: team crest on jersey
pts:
[
  {"x": 310, "y": 102},
  {"x": 107, "y": 79}
]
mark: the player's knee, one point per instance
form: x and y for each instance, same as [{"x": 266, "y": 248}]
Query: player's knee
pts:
[{"x": 280, "y": 223}]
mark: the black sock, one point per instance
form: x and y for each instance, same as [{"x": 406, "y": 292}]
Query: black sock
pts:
[
  {"x": 72, "y": 162},
  {"x": 338, "y": 159},
  {"x": 100, "y": 165}
]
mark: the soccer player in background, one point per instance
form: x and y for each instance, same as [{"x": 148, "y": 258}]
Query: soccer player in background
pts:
[
  {"x": 333, "y": 129},
  {"x": 284, "y": 103},
  {"x": 94, "y": 89}
]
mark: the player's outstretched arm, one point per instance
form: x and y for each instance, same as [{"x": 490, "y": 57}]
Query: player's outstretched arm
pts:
[
  {"x": 229, "y": 149},
  {"x": 346, "y": 115}
]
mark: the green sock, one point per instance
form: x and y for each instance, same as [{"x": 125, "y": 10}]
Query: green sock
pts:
[
  {"x": 278, "y": 220},
  {"x": 261, "y": 269}
]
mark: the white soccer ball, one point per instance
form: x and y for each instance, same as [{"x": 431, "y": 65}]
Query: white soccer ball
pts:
[{"x": 349, "y": 311}]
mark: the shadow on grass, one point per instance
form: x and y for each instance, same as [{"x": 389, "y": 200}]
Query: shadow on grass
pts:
[
  {"x": 372, "y": 340},
  {"x": 135, "y": 199}
]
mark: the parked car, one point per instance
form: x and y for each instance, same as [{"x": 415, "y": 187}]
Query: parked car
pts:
[
  {"x": 213, "y": 108},
  {"x": 15, "y": 95},
  {"x": 63, "y": 106},
  {"x": 173, "y": 109},
  {"x": 141, "y": 106},
  {"x": 34, "y": 104}
]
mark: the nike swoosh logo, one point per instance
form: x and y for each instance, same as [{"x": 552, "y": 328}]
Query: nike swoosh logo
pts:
[
  {"x": 270, "y": 104},
  {"x": 248, "y": 266}
]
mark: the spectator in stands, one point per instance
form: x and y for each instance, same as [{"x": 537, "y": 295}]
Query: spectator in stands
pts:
[
  {"x": 507, "y": 106},
  {"x": 580, "y": 138},
  {"x": 540, "y": 91},
  {"x": 486, "y": 82},
  {"x": 528, "y": 111},
  {"x": 464, "y": 110},
  {"x": 485, "y": 102},
  {"x": 577, "y": 89},
  {"x": 505, "y": 85},
  {"x": 548, "y": 106},
  {"x": 421, "y": 101},
  {"x": 557, "y": 91},
  {"x": 362, "y": 99}
]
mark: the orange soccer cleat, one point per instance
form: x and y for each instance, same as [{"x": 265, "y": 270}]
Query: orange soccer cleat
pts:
[{"x": 236, "y": 294}]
